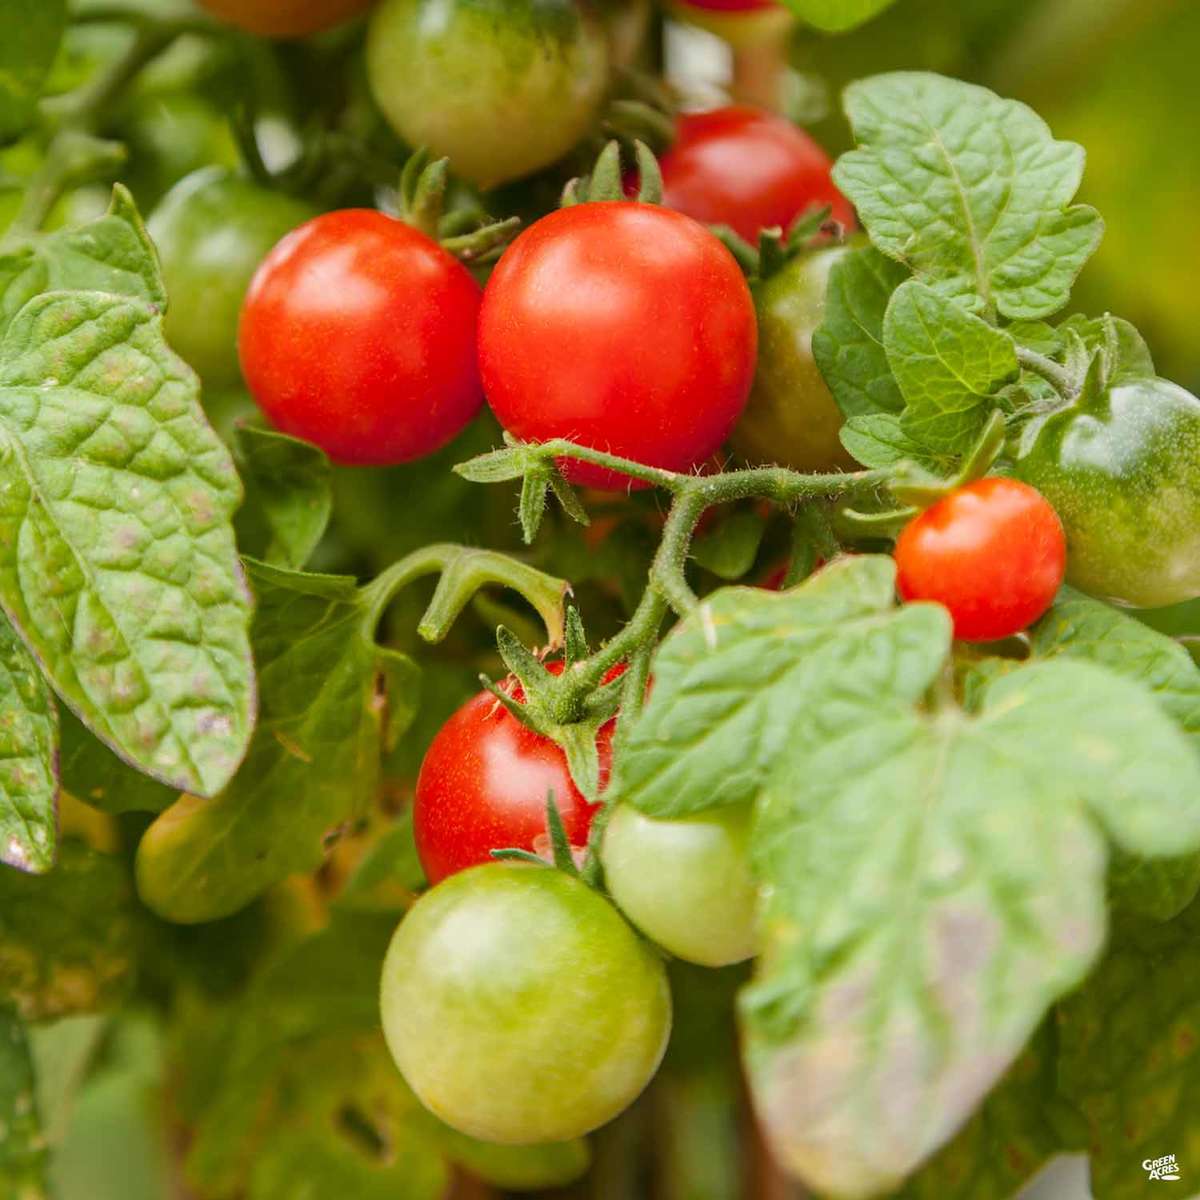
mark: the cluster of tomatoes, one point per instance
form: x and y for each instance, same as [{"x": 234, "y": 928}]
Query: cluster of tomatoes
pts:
[{"x": 518, "y": 1002}]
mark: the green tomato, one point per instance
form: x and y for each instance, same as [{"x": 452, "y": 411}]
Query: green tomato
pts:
[
  {"x": 791, "y": 417},
  {"x": 501, "y": 87},
  {"x": 519, "y": 1168},
  {"x": 686, "y": 883},
  {"x": 520, "y": 1007},
  {"x": 212, "y": 230},
  {"x": 1122, "y": 469}
]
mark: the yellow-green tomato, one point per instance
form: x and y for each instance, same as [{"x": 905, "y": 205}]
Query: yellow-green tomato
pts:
[
  {"x": 686, "y": 883},
  {"x": 501, "y": 87},
  {"x": 212, "y": 229},
  {"x": 520, "y": 1006},
  {"x": 791, "y": 417}
]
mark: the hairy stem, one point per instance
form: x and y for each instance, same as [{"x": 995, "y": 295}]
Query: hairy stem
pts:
[{"x": 1063, "y": 381}]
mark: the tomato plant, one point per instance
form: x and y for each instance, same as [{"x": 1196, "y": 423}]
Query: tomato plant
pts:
[
  {"x": 624, "y": 326},
  {"x": 358, "y": 333},
  {"x": 212, "y": 230},
  {"x": 748, "y": 169},
  {"x": 837, "y": 674},
  {"x": 513, "y": 1046},
  {"x": 502, "y": 88}
]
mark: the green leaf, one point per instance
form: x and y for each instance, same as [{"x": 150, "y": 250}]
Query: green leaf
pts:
[
  {"x": 972, "y": 192},
  {"x": 1130, "y": 1053},
  {"x": 1126, "y": 355},
  {"x": 729, "y": 550},
  {"x": 22, "y": 1146},
  {"x": 67, "y": 937},
  {"x": 1079, "y": 627},
  {"x": 389, "y": 875},
  {"x": 837, "y": 16},
  {"x": 848, "y": 345},
  {"x": 733, "y": 678},
  {"x": 880, "y": 440},
  {"x": 949, "y": 364},
  {"x": 117, "y": 558},
  {"x": 111, "y": 254},
  {"x": 934, "y": 882},
  {"x": 313, "y": 764},
  {"x": 91, "y": 772},
  {"x": 1022, "y": 1123},
  {"x": 30, "y": 31},
  {"x": 28, "y": 759},
  {"x": 288, "y": 497}
]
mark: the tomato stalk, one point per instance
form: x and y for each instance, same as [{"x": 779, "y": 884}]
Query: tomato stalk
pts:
[{"x": 1061, "y": 378}]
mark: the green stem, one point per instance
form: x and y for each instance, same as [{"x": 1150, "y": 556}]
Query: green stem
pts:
[{"x": 1063, "y": 381}]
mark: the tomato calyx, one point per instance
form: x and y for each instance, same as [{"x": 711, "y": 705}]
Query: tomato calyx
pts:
[
  {"x": 560, "y": 854},
  {"x": 466, "y": 231},
  {"x": 608, "y": 182},
  {"x": 775, "y": 248}
]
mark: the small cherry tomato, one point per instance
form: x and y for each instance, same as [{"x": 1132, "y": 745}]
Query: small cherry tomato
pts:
[
  {"x": 483, "y": 786},
  {"x": 993, "y": 552},
  {"x": 358, "y": 334},
  {"x": 686, "y": 883},
  {"x": 520, "y": 1007},
  {"x": 625, "y": 327},
  {"x": 285, "y": 18},
  {"x": 749, "y": 169}
]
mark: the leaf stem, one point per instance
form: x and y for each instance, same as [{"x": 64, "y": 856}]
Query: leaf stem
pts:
[{"x": 1063, "y": 381}]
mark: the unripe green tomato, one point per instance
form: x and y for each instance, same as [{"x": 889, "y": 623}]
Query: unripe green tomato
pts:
[
  {"x": 501, "y": 87},
  {"x": 791, "y": 417},
  {"x": 212, "y": 229},
  {"x": 1122, "y": 469},
  {"x": 519, "y": 1168},
  {"x": 520, "y": 1007},
  {"x": 686, "y": 883}
]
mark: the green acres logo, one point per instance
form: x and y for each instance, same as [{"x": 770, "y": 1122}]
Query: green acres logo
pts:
[{"x": 1161, "y": 1168}]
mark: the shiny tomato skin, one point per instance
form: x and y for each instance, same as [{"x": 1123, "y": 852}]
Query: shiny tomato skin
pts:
[
  {"x": 483, "y": 786},
  {"x": 520, "y": 1006},
  {"x": 358, "y": 334},
  {"x": 749, "y": 169},
  {"x": 626, "y": 327},
  {"x": 285, "y": 18},
  {"x": 992, "y": 552}
]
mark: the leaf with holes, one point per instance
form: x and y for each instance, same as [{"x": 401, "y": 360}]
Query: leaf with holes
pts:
[
  {"x": 733, "y": 678},
  {"x": 117, "y": 557},
  {"x": 935, "y": 881},
  {"x": 970, "y": 191},
  {"x": 313, "y": 765},
  {"x": 28, "y": 757}
]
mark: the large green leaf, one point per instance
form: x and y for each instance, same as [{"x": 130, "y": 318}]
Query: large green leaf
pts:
[
  {"x": 969, "y": 190},
  {"x": 111, "y": 254},
  {"x": 732, "y": 680},
  {"x": 314, "y": 761},
  {"x": 1082, "y": 628},
  {"x": 848, "y": 345},
  {"x": 117, "y": 558},
  {"x": 949, "y": 364},
  {"x": 22, "y": 1147},
  {"x": 935, "y": 881},
  {"x": 67, "y": 937},
  {"x": 28, "y": 752},
  {"x": 30, "y": 31},
  {"x": 1130, "y": 1054}
]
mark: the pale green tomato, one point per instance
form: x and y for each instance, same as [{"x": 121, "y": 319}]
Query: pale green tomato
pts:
[{"x": 685, "y": 883}]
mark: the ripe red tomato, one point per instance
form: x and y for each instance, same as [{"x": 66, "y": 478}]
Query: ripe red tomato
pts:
[
  {"x": 993, "y": 552},
  {"x": 483, "y": 785},
  {"x": 623, "y": 326},
  {"x": 285, "y": 18},
  {"x": 358, "y": 334},
  {"x": 749, "y": 169}
]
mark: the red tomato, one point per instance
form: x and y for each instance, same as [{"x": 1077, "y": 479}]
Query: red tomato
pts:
[
  {"x": 625, "y": 327},
  {"x": 358, "y": 334},
  {"x": 285, "y": 18},
  {"x": 749, "y": 169},
  {"x": 993, "y": 552},
  {"x": 483, "y": 786}
]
